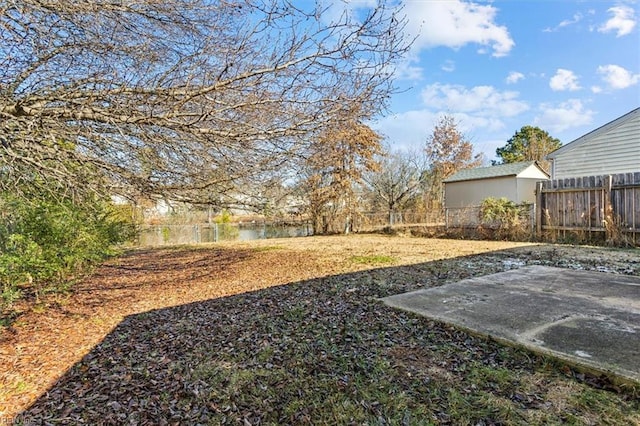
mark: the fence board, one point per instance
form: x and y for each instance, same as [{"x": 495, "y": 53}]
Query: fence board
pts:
[{"x": 608, "y": 205}]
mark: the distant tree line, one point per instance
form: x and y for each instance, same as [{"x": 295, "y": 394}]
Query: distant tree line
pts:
[{"x": 354, "y": 174}]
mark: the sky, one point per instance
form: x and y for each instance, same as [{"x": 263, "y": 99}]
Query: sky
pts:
[{"x": 566, "y": 66}]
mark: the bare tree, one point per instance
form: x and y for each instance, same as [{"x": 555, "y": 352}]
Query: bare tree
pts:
[
  {"x": 187, "y": 98},
  {"x": 397, "y": 182},
  {"x": 448, "y": 151}
]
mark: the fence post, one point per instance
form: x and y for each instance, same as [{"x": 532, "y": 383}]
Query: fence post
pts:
[
  {"x": 446, "y": 218},
  {"x": 608, "y": 208},
  {"x": 537, "y": 207}
]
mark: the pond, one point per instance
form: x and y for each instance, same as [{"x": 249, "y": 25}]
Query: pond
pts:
[
  {"x": 256, "y": 231},
  {"x": 159, "y": 235}
]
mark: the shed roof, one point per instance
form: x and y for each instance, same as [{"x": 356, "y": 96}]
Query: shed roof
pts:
[
  {"x": 501, "y": 170},
  {"x": 595, "y": 133}
]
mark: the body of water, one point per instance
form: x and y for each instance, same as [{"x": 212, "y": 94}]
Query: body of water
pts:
[
  {"x": 262, "y": 231},
  {"x": 158, "y": 235}
]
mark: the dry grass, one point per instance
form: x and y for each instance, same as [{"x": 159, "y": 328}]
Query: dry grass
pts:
[{"x": 319, "y": 349}]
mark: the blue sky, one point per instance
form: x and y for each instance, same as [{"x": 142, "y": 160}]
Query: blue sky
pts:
[{"x": 565, "y": 66}]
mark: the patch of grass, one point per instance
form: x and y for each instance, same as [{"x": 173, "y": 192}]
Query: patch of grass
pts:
[
  {"x": 14, "y": 386},
  {"x": 7, "y": 318},
  {"x": 267, "y": 248},
  {"x": 39, "y": 307},
  {"x": 492, "y": 377},
  {"x": 353, "y": 390},
  {"x": 595, "y": 405},
  {"x": 375, "y": 259},
  {"x": 21, "y": 386}
]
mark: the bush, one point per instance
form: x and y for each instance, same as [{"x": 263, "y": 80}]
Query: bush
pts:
[
  {"x": 226, "y": 230},
  {"x": 505, "y": 217},
  {"x": 45, "y": 242}
]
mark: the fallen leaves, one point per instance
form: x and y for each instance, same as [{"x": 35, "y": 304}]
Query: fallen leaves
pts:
[{"x": 180, "y": 336}]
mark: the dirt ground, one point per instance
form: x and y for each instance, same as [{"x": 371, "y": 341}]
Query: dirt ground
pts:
[{"x": 48, "y": 339}]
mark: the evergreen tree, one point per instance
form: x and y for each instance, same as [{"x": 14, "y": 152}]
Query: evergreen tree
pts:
[{"x": 528, "y": 144}]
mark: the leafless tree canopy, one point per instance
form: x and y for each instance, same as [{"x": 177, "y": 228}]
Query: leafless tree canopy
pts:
[
  {"x": 448, "y": 151},
  {"x": 184, "y": 97},
  {"x": 397, "y": 182}
]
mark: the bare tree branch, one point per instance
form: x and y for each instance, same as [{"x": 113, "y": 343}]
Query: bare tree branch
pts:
[
  {"x": 187, "y": 97},
  {"x": 397, "y": 182}
]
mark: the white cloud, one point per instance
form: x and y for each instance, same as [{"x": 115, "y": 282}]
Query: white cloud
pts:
[
  {"x": 565, "y": 23},
  {"x": 564, "y": 80},
  {"x": 489, "y": 146},
  {"x": 333, "y": 11},
  {"x": 566, "y": 115},
  {"x": 481, "y": 112},
  {"x": 468, "y": 123},
  {"x": 618, "y": 77},
  {"x": 409, "y": 130},
  {"x": 596, "y": 89},
  {"x": 481, "y": 101},
  {"x": 454, "y": 24},
  {"x": 622, "y": 22},
  {"x": 449, "y": 66},
  {"x": 514, "y": 77},
  {"x": 406, "y": 70}
]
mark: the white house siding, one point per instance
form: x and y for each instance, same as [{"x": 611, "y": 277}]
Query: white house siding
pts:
[{"x": 611, "y": 152}]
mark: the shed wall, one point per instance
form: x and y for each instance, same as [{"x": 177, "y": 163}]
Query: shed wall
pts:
[
  {"x": 472, "y": 192},
  {"x": 533, "y": 172},
  {"x": 526, "y": 190}
]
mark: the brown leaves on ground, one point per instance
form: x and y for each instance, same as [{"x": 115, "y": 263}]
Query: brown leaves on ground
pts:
[
  {"x": 193, "y": 335},
  {"x": 46, "y": 341}
]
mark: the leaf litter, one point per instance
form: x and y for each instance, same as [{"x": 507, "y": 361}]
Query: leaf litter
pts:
[{"x": 235, "y": 334}]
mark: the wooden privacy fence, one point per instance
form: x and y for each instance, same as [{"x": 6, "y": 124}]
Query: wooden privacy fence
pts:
[{"x": 594, "y": 207}]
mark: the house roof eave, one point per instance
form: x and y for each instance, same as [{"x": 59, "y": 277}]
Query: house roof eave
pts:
[{"x": 594, "y": 133}]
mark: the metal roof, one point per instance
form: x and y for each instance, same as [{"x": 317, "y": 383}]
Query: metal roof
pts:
[{"x": 502, "y": 170}]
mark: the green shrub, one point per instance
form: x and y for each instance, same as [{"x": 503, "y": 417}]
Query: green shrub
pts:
[
  {"x": 226, "y": 230},
  {"x": 45, "y": 241},
  {"x": 505, "y": 217},
  {"x": 498, "y": 210}
]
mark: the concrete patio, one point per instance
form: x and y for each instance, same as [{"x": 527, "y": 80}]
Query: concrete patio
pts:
[{"x": 590, "y": 319}]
